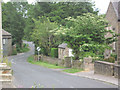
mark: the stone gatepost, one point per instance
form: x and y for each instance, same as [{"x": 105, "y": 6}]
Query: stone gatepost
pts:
[
  {"x": 67, "y": 62},
  {"x": 87, "y": 63}
]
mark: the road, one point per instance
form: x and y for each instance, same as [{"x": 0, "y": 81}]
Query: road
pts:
[{"x": 26, "y": 75}]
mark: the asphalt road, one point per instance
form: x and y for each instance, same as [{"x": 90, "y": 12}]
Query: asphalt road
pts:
[{"x": 26, "y": 75}]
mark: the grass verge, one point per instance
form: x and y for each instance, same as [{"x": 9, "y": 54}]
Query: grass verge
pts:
[
  {"x": 73, "y": 70},
  {"x": 52, "y": 66},
  {"x": 44, "y": 64}
]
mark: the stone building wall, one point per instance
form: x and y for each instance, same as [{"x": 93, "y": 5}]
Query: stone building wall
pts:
[
  {"x": 62, "y": 53},
  {"x": 118, "y": 44},
  {"x": 112, "y": 18},
  {"x": 7, "y": 47}
]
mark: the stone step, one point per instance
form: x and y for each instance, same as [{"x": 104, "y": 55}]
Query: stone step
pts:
[
  {"x": 5, "y": 76},
  {"x": 5, "y": 81},
  {"x": 6, "y": 71},
  {"x": 5, "y": 68}
]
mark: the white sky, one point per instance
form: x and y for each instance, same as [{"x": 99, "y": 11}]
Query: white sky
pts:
[{"x": 102, "y": 5}]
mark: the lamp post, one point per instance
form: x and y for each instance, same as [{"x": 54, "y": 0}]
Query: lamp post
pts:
[{"x": 1, "y": 46}]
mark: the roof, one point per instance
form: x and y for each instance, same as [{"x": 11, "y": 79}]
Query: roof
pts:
[
  {"x": 116, "y": 6},
  {"x": 63, "y": 45},
  {"x": 5, "y": 33}
]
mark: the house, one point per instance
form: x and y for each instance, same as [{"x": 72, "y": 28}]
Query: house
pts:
[
  {"x": 7, "y": 43},
  {"x": 113, "y": 17},
  {"x": 64, "y": 51}
]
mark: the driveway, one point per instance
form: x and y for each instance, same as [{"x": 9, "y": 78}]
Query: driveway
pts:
[{"x": 26, "y": 75}]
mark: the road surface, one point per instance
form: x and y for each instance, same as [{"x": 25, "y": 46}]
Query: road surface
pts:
[{"x": 26, "y": 75}]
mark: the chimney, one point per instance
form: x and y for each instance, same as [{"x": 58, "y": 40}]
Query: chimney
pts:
[{"x": 119, "y": 11}]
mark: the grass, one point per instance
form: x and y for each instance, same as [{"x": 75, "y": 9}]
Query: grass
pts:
[
  {"x": 26, "y": 49},
  {"x": 73, "y": 70},
  {"x": 52, "y": 66},
  {"x": 44, "y": 64}
]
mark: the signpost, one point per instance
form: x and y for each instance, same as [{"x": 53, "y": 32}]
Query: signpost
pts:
[{"x": 38, "y": 49}]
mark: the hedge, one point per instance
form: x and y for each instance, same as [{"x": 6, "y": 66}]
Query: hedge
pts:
[{"x": 54, "y": 52}]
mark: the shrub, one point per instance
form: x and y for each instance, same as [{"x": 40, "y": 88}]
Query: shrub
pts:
[
  {"x": 54, "y": 52},
  {"x": 14, "y": 52},
  {"x": 110, "y": 59},
  {"x": 114, "y": 55}
]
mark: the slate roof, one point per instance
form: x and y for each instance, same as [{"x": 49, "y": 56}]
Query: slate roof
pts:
[
  {"x": 63, "y": 45},
  {"x": 116, "y": 6},
  {"x": 5, "y": 33}
]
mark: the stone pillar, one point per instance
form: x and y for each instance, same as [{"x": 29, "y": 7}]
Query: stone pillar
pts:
[{"x": 67, "y": 62}]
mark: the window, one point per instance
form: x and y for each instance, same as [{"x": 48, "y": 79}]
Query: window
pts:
[
  {"x": 113, "y": 28},
  {"x": 4, "y": 41}
]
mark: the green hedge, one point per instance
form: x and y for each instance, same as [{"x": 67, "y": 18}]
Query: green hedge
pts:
[{"x": 54, "y": 52}]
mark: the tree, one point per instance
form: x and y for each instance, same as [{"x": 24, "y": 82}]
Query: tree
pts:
[
  {"x": 42, "y": 36},
  {"x": 56, "y": 12},
  {"x": 13, "y": 22},
  {"x": 86, "y": 34}
]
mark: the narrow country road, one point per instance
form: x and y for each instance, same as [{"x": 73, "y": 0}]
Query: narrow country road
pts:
[{"x": 26, "y": 74}]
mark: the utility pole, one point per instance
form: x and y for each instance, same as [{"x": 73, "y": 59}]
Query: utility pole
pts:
[{"x": 1, "y": 46}]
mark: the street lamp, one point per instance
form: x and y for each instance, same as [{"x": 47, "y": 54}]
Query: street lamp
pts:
[{"x": 1, "y": 46}]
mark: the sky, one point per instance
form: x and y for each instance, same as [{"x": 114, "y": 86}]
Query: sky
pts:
[{"x": 102, "y": 5}]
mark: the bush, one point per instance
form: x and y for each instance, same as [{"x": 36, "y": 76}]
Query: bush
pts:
[
  {"x": 54, "y": 52},
  {"x": 114, "y": 55},
  {"x": 14, "y": 52},
  {"x": 110, "y": 59}
]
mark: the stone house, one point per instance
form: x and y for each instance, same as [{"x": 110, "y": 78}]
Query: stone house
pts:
[
  {"x": 64, "y": 51},
  {"x": 112, "y": 16},
  {"x": 7, "y": 43}
]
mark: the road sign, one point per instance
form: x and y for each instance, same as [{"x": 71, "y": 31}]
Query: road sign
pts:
[{"x": 38, "y": 48}]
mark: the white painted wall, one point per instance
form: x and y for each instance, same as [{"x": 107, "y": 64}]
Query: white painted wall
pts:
[{"x": 70, "y": 53}]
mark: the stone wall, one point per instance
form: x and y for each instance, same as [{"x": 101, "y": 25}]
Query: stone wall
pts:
[
  {"x": 50, "y": 60},
  {"x": 116, "y": 70},
  {"x": 106, "y": 68},
  {"x": 68, "y": 63},
  {"x": 77, "y": 64}
]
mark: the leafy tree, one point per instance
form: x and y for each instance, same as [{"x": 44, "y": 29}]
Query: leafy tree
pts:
[
  {"x": 42, "y": 36},
  {"x": 86, "y": 35},
  {"x": 13, "y": 22},
  {"x": 56, "y": 12}
]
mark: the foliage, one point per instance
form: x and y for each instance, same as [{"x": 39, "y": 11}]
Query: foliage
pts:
[
  {"x": 42, "y": 36},
  {"x": 54, "y": 52},
  {"x": 44, "y": 64},
  {"x": 5, "y": 60},
  {"x": 24, "y": 48},
  {"x": 14, "y": 52},
  {"x": 110, "y": 59},
  {"x": 114, "y": 55},
  {"x": 55, "y": 11},
  {"x": 13, "y": 22},
  {"x": 86, "y": 34}
]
